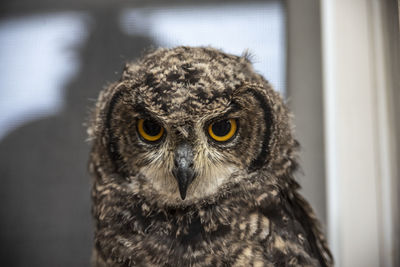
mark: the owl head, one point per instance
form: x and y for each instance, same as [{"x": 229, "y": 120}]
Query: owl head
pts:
[{"x": 184, "y": 125}]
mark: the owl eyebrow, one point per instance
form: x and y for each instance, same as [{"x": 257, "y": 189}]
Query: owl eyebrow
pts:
[
  {"x": 144, "y": 112},
  {"x": 140, "y": 108},
  {"x": 233, "y": 107}
]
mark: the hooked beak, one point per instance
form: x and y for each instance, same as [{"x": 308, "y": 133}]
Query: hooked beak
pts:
[{"x": 183, "y": 168}]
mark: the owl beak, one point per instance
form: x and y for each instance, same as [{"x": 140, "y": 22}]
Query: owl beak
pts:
[{"x": 183, "y": 168}]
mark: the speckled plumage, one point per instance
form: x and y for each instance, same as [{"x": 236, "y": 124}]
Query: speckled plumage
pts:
[{"x": 242, "y": 208}]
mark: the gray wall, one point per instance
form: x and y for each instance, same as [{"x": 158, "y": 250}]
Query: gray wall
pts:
[
  {"x": 44, "y": 183},
  {"x": 304, "y": 94}
]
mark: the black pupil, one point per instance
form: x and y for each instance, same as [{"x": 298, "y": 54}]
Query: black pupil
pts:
[
  {"x": 221, "y": 128},
  {"x": 151, "y": 127}
]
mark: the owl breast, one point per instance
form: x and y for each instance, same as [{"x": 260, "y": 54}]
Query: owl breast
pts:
[{"x": 227, "y": 234}]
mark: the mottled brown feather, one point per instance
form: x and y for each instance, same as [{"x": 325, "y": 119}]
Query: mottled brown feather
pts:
[{"x": 242, "y": 209}]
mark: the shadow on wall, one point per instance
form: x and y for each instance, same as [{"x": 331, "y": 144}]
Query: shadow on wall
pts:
[{"x": 45, "y": 186}]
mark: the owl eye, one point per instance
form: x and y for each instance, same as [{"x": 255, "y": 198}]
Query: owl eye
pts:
[
  {"x": 222, "y": 130},
  {"x": 150, "y": 130}
]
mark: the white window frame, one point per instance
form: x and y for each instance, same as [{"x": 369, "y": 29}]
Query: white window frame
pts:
[{"x": 361, "y": 131}]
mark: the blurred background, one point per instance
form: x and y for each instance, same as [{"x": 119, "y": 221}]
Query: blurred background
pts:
[{"x": 335, "y": 62}]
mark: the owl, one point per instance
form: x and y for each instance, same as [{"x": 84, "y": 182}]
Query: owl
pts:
[{"x": 192, "y": 161}]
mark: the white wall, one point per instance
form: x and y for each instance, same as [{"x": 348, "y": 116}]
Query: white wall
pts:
[{"x": 360, "y": 134}]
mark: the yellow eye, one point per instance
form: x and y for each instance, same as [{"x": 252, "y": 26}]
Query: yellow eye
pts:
[
  {"x": 150, "y": 130},
  {"x": 222, "y": 130}
]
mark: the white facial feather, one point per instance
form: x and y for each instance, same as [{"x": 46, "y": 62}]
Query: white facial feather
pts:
[{"x": 211, "y": 168}]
